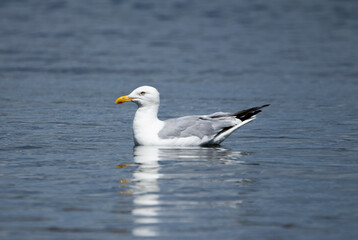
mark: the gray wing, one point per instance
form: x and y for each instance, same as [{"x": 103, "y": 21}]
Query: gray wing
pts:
[{"x": 199, "y": 126}]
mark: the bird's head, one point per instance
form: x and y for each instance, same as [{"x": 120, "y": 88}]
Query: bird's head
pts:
[{"x": 142, "y": 96}]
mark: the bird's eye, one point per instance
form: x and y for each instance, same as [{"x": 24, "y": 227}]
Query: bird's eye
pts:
[{"x": 142, "y": 93}]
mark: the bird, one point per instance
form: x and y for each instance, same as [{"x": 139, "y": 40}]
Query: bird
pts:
[{"x": 194, "y": 130}]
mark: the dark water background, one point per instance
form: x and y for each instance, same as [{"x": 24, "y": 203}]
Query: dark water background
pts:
[{"x": 290, "y": 174}]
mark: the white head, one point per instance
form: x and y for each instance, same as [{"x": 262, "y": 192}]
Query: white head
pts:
[{"x": 142, "y": 96}]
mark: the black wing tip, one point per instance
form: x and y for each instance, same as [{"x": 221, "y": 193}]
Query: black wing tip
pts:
[
  {"x": 249, "y": 113},
  {"x": 266, "y": 105}
]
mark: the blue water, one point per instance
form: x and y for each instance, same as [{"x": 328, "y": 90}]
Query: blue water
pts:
[{"x": 68, "y": 166}]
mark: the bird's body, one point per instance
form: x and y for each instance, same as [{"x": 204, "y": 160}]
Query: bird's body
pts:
[{"x": 198, "y": 130}]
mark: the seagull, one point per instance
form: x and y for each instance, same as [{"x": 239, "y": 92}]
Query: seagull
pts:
[{"x": 195, "y": 130}]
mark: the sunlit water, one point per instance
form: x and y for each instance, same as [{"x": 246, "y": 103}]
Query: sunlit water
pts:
[{"x": 68, "y": 167}]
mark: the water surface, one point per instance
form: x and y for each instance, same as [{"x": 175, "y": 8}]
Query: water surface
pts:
[{"x": 68, "y": 167}]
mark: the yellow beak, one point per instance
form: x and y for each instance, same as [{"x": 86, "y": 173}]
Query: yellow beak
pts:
[{"x": 123, "y": 99}]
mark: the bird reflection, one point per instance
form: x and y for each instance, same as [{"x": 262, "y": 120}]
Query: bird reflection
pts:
[{"x": 146, "y": 190}]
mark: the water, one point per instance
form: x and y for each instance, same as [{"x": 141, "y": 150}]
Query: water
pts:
[{"x": 68, "y": 168}]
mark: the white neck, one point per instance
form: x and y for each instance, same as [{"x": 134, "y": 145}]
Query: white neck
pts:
[
  {"x": 147, "y": 114},
  {"x": 146, "y": 124}
]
